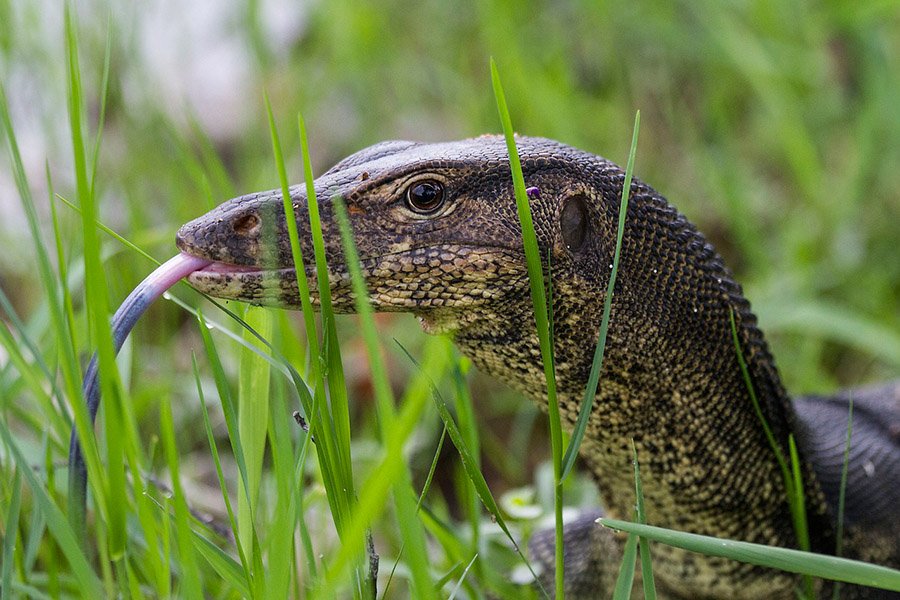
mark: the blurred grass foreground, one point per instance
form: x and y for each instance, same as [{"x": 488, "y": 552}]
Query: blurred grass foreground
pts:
[{"x": 773, "y": 125}]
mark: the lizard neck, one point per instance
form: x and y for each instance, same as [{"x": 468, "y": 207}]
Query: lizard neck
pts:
[{"x": 671, "y": 381}]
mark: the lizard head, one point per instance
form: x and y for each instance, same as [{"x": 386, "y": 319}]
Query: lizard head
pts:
[{"x": 435, "y": 225}]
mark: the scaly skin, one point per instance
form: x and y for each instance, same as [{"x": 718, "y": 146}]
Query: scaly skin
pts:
[{"x": 670, "y": 381}]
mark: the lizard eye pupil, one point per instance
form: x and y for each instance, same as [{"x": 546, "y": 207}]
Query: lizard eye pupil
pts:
[{"x": 425, "y": 196}]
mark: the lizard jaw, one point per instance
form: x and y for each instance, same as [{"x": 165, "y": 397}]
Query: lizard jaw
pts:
[{"x": 434, "y": 283}]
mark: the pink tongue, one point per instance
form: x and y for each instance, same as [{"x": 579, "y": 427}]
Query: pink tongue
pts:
[
  {"x": 156, "y": 283},
  {"x": 171, "y": 271},
  {"x": 146, "y": 292},
  {"x": 137, "y": 302}
]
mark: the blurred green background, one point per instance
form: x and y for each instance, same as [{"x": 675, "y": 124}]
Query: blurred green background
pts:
[{"x": 773, "y": 125}]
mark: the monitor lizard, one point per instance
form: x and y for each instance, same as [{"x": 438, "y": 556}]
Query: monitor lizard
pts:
[{"x": 439, "y": 237}]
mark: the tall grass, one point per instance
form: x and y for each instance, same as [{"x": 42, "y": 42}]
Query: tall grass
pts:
[
  {"x": 785, "y": 559},
  {"x": 543, "y": 318},
  {"x": 775, "y": 131}
]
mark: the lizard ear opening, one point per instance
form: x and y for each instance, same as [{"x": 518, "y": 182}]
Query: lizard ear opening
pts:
[{"x": 573, "y": 222}]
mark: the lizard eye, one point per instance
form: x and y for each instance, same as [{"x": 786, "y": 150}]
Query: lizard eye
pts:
[{"x": 425, "y": 197}]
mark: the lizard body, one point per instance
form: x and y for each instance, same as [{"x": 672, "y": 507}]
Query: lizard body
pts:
[{"x": 438, "y": 236}]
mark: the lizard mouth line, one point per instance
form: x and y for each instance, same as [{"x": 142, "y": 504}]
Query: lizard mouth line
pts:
[
  {"x": 229, "y": 268},
  {"x": 226, "y": 269}
]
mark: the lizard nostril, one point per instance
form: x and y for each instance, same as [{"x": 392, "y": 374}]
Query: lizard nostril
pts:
[{"x": 246, "y": 225}]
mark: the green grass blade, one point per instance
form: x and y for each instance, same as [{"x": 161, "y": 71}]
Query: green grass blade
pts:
[
  {"x": 305, "y": 539},
  {"x": 643, "y": 544},
  {"x": 411, "y": 529},
  {"x": 104, "y": 96},
  {"x": 785, "y": 559},
  {"x": 793, "y": 483},
  {"x": 432, "y": 469},
  {"x": 384, "y": 397},
  {"x": 110, "y": 232},
  {"x": 67, "y": 308},
  {"x": 471, "y": 467},
  {"x": 69, "y": 363},
  {"x": 465, "y": 412},
  {"x": 32, "y": 379},
  {"x": 334, "y": 426},
  {"x": 11, "y": 531},
  {"x": 30, "y": 592},
  {"x": 779, "y": 454},
  {"x": 469, "y": 461},
  {"x": 228, "y": 408},
  {"x": 799, "y": 502},
  {"x": 38, "y": 529},
  {"x": 281, "y": 558},
  {"x": 462, "y": 578},
  {"x": 23, "y": 337},
  {"x": 114, "y": 420},
  {"x": 277, "y": 361},
  {"x": 190, "y": 584},
  {"x": 62, "y": 532},
  {"x": 434, "y": 366},
  {"x": 232, "y": 422},
  {"x": 541, "y": 316},
  {"x": 447, "y": 536},
  {"x": 374, "y": 491},
  {"x": 232, "y": 519},
  {"x": 333, "y": 454},
  {"x": 97, "y": 302},
  {"x": 166, "y": 535},
  {"x": 625, "y": 579},
  {"x": 590, "y": 391},
  {"x": 253, "y": 421},
  {"x": 309, "y": 319},
  {"x": 226, "y": 567},
  {"x": 60, "y": 324},
  {"x": 310, "y": 404}
]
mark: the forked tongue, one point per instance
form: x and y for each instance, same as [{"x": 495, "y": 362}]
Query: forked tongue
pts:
[{"x": 137, "y": 302}]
